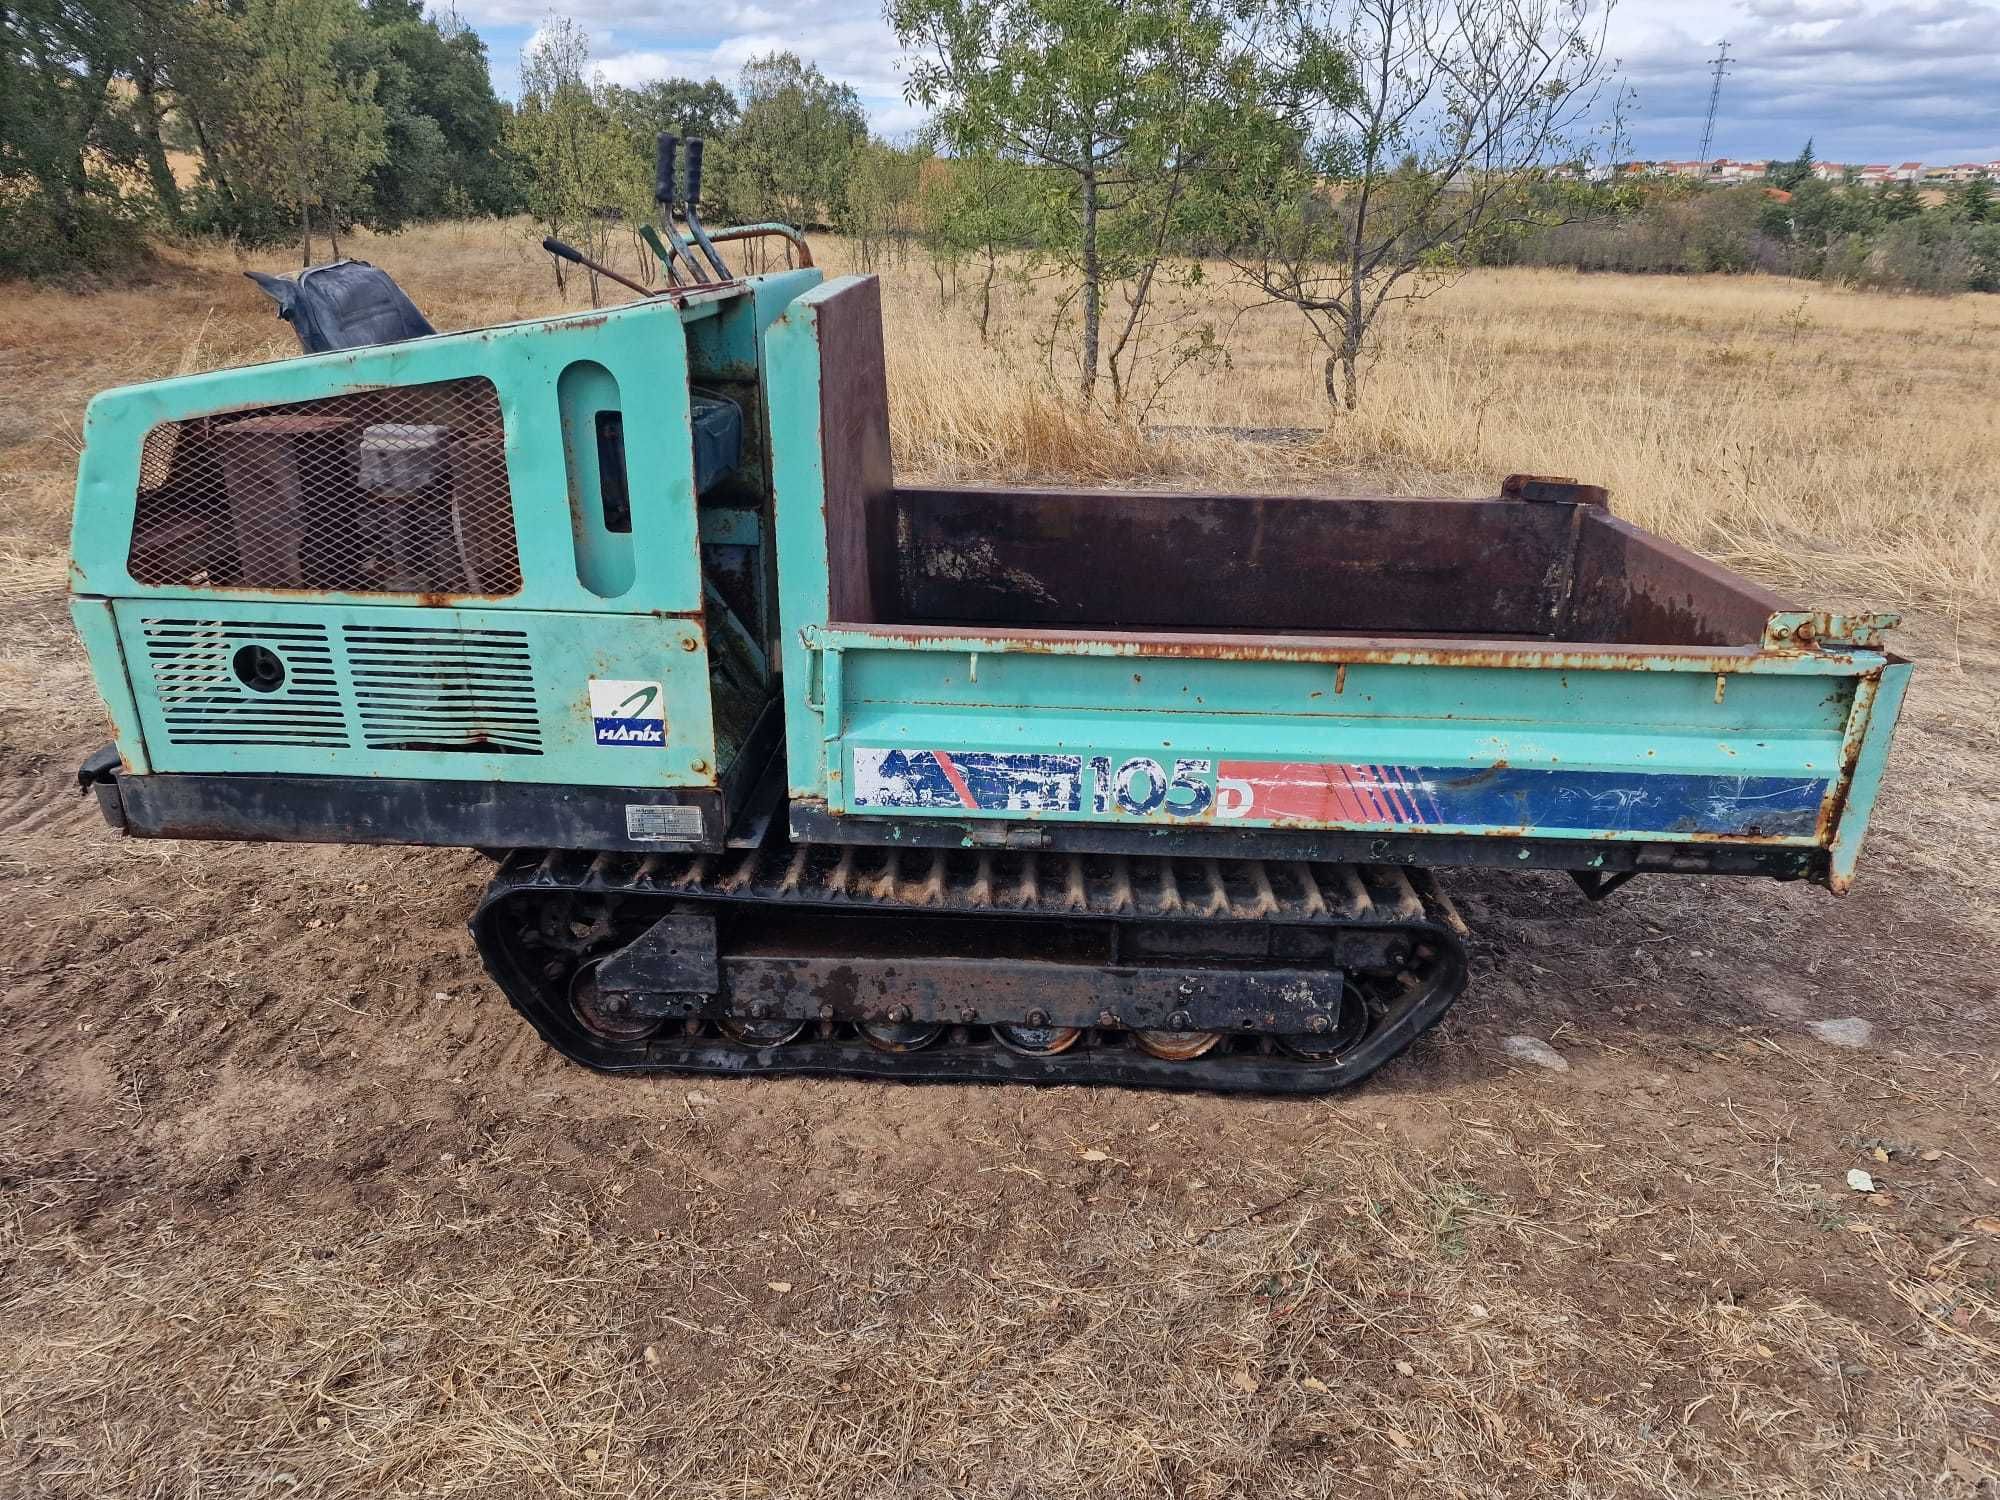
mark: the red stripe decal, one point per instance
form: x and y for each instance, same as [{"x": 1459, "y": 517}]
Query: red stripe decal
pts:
[{"x": 957, "y": 779}]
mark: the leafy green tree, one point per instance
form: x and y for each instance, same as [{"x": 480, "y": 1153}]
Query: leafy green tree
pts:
[
  {"x": 1122, "y": 104},
  {"x": 880, "y": 197},
  {"x": 979, "y": 209},
  {"x": 1900, "y": 203},
  {"x": 795, "y": 138},
  {"x": 442, "y": 122},
  {"x": 59, "y": 208},
  {"x": 674, "y": 106},
  {"x": 581, "y": 174},
  {"x": 307, "y": 137},
  {"x": 1982, "y": 245}
]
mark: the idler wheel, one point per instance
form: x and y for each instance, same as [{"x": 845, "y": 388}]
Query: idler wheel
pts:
[
  {"x": 1327, "y": 1046},
  {"x": 1037, "y": 1041},
  {"x": 901, "y": 1036},
  {"x": 602, "y": 1017},
  {"x": 1177, "y": 1046},
  {"x": 748, "y": 1033}
]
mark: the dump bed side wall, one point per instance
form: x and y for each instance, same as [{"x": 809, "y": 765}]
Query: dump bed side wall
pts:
[
  {"x": 1231, "y": 562},
  {"x": 1090, "y": 735},
  {"x": 1630, "y": 587}
]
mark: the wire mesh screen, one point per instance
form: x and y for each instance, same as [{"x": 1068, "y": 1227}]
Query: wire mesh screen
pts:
[{"x": 401, "y": 490}]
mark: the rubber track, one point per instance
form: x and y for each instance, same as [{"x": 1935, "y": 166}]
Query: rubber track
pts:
[{"x": 1198, "y": 892}]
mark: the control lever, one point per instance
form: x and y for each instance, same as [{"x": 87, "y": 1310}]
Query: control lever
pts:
[
  {"x": 693, "y": 213},
  {"x": 665, "y": 149},
  {"x": 570, "y": 253}
]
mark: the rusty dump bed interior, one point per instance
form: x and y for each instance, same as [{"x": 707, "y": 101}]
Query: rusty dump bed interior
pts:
[
  {"x": 1513, "y": 569},
  {"x": 1544, "y": 561}
]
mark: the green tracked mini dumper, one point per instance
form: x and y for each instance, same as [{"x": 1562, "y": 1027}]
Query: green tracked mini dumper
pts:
[{"x": 795, "y": 769}]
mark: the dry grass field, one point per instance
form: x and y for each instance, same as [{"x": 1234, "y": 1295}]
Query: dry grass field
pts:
[{"x": 293, "y": 1205}]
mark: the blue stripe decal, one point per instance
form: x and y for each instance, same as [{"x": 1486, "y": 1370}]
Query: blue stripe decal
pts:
[{"x": 1509, "y": 797}]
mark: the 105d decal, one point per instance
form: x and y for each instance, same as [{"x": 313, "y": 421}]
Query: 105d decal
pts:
[{"x": 1141, "y": 786}]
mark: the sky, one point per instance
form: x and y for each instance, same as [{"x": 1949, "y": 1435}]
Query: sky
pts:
[{"x": 1867, "y": 80}]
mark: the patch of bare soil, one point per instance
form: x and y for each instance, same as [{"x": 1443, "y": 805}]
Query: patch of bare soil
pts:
[{"x": 294, "y": 1204}]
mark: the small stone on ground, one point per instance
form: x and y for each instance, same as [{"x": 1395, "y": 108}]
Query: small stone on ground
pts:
[
  {"x": 1848, "y": 1031},
  {"x": 1532, "y": 1049}
]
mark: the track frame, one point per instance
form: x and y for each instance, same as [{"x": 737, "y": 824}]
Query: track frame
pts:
[{"x": 1375, "y": 955}]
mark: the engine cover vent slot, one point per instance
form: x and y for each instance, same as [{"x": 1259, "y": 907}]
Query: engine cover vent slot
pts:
[
  {"x": 422, "y": 688},
  {"x": 246, "y": 682}
]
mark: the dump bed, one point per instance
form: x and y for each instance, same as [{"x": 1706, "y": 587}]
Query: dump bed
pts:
[{"x": 1525, "y": 680}]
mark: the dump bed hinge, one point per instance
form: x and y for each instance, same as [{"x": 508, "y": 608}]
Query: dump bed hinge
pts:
[{"x": 1553, "y": 489}]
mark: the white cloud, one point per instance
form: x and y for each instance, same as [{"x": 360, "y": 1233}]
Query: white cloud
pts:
[{"x": 1867, "y": 79}]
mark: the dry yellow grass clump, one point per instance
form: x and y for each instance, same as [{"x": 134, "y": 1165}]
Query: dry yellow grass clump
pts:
[{"x": 1820, "y": 437}]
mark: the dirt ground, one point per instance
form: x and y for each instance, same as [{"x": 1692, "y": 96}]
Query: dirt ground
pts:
[{"x": 295, "y": 1205}]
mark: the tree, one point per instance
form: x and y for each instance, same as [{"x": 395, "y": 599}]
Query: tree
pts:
[
  {"x": 1789, "y": 175},
  {"x": 1975, "y": 204},
  {"x": 1407, "y": 134},
  {"x": 442, "y": 122},
  {"x": 673, "y": 106},
  {"x": 793, "y": 144},
  {"x": 880, "y": 197},
  {"x": 58, "y": 60},
  {"x": 580, "y": 171},
  {"x": 312, "y": 136},
  {"x": 978, "y": 208},
  {"x": 1121, "y": 103},
  {"x": 1901, "y": 202}
]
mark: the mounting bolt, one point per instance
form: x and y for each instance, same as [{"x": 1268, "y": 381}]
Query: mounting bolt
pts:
[
  {"x": 689, "y": 643},
  {"x": 1038, "y": 1018},
  {"x": 899, "y": 1014},
  {"x": 1319, "y": 1026},
  {"x": 1180, "y": 1020}
]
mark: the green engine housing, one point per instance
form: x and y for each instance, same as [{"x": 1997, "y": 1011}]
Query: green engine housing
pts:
[{"x": 514, "y": 559}]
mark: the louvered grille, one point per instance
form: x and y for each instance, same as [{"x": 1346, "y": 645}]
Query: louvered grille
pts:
[
  {"x": 400, "y": 490},
  {"x": 419, "y": 688},
  {"x": 245, "y": 682}
]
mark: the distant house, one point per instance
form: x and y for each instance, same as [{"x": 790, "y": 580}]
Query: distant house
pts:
[
  {"x": 1909, "y": 171},
  {"x": 1876, "y": 174},
  {"x": 1830, "y": 171},
  {"x": 1727, "y": 171}
]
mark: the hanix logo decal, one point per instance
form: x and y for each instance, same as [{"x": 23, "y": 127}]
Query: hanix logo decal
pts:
[{"x": 627, "y": 713}]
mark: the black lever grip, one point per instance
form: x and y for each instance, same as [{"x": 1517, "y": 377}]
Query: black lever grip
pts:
[
  {"x": 694, "y": 171},
  {"x": 557, "y": 248},
  {"x": 663, "y": 166}
]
